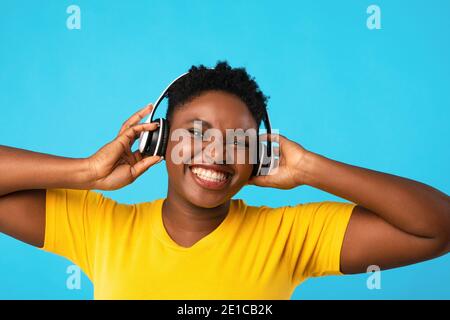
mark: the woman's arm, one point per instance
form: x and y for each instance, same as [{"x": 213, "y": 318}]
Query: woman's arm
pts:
[
  {"x": 397, "y": 222},
  {"x": 23, "y": 170},
  {"x": 25, "y": 176}
]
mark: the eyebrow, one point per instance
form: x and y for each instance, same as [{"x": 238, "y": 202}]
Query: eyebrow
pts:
[{"x": 204, "y": 122}]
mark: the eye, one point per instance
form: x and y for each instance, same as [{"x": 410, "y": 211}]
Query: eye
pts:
[
  {"x": 196, "y": 133},
  {"x": 240, "y": 144}
]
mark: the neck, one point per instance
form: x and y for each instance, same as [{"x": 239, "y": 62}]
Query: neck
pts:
[{"x": 187, "y": 223}]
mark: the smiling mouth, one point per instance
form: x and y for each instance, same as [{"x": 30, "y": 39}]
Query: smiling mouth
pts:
[{"x": 210, "y": 178}]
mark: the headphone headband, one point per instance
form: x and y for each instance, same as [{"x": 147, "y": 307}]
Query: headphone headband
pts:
[{"x": 163, "y": 95}]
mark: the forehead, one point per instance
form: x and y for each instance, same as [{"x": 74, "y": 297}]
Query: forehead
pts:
[{"x": 221, "y": 109}]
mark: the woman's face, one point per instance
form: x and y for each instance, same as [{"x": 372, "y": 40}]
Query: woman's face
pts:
[{"x": 203, "y": 178}]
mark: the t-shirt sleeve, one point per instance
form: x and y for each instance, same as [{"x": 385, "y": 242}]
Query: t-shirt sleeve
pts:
[
  {"x": 71, "y": 225},
  {"x": 316, "y": 238}
]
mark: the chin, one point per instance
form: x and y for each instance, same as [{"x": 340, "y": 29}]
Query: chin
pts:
[{"x": 205, "y": 200}]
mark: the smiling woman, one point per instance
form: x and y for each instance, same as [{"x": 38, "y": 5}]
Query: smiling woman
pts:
[{"x": 199, "y": 242}]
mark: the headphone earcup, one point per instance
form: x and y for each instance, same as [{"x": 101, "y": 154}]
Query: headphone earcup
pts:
[
  {"x": 264, "y": 164},
  {"x": 153, "y": 140},
  {"x": 164, "y": 131},
  {"x": 156, "y": 143},
  {"x": 158, "y": 140}
]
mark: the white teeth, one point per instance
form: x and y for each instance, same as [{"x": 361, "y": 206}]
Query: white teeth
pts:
[{"x": 209, "y": 175}]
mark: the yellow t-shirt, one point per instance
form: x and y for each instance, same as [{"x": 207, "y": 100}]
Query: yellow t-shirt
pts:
[{"x": 255, "y": 253}]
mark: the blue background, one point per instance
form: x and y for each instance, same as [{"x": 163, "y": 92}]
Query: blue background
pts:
[{"x": 374, "y": 98}]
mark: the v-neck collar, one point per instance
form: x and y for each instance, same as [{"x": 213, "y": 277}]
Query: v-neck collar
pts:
[{"x": 218, "y": 233}]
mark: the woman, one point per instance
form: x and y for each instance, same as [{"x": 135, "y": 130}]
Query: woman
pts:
[{"x": 198, "y": 242}]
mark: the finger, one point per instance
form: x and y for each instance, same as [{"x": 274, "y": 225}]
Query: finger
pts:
[
  {"x": 127, "y": 138},
  {"x": 141, "y": 166},
  {"x": 128, "y": 158},
  {"x": 274, "y": 137},
  {"x": 260, "y": 181},
  {"x": 131, "y": 134},
  {"x": 137, "y": 156},
  {"x": 276, "y": 151},
  {"x": 136, "y": 118},
  {"x": 121, "y": 161},
  {"x": 275, "y": 167}
]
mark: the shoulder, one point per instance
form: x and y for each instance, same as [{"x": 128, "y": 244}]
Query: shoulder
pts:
[
  {"x": 93, "y": 202},
  {"x": 263, "y": 214},
  {"x": 291, "y": 213}
]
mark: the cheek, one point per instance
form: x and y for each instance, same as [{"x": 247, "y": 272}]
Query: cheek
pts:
[
  {"x": 243, "y": 173},
  {"x": 178, "y": 152},
  {"x": 174, "y": 162}
]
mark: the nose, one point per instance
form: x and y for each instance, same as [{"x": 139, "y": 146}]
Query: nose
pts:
[{"x": 214, "y": 152}]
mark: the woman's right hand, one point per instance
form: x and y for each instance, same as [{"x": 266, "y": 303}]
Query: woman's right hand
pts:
[{"x": 115, "y": 165}]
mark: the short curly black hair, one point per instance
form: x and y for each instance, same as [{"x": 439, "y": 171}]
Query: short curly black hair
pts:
[{"x": 231, "y": 80}]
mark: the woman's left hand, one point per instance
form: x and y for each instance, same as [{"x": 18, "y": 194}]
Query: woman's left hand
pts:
[{"x": 288, "y": 173}]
